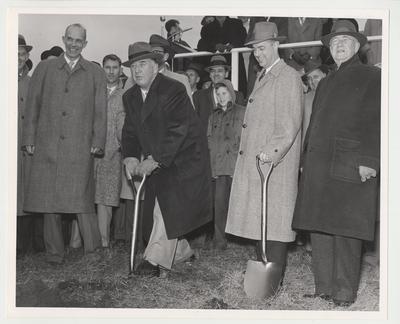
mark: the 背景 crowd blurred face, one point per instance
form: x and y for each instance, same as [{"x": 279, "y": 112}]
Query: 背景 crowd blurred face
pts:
[
  {"x": 343, "y": 47},
  {"x": 314, "y": 77},
  {"x": 176, "y": 30},
  {"x": 74, "y": 41},
  {"x": 223, "y": 96},
  {"x": 112, "y": 70},
  {"x": 143, "y": 72},
  {"x": 218, "y": 74},
  {"x": 23, "y": 56},
  {"x": 266, "y": 53},
  {"x": 193, "y": 78}
]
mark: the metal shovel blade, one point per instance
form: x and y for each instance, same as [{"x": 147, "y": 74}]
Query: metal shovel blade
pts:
[{"x": 262, "y": 280}]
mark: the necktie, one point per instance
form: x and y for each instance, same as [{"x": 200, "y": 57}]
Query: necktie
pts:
[
  {"x": 109, "y": 91},
  {"x": 71, "y": 65},
  {"x": 261, "y": 75}
]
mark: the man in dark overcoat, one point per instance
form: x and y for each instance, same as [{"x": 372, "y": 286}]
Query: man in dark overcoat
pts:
[
  {"x": 339, "y": 186},
  {"x": 64, "y": 127},
  {"x": 162, "y": 126}
]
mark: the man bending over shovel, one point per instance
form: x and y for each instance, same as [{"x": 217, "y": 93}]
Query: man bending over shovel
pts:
[{"x": 162, "y": 126}]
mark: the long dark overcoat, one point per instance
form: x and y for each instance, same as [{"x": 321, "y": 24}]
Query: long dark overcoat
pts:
[
  {"x": 66, "y": 115},
  {"x": 166, "y": 127},
  {"x": 344, "y": 133}
]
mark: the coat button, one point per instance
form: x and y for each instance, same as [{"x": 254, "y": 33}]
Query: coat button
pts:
[
  {"x": 22, "y": 99},
  {"x": 64, "y": 113},
  {"x": 66, "y": 89},
  {"x": 276, "y": 150},
  {"x": 244, "y": 125},
  {"x": 241, "y": 152},
  {"x": 251, "y": 100},
  {"x": 22, "y": 117},
  {"x": 62, "y": 137}
]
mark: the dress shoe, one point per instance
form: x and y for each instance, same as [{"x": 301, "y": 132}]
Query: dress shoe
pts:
[
  {"x": 342, "y": 303},
  {"x": 145, "y": 268},
  {"x": 322, "y": 296}
]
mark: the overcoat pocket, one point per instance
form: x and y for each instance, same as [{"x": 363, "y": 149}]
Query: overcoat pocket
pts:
[{"x": 344, "y": 162}]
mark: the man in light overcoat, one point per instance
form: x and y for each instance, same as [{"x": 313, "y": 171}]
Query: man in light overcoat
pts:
[
  {"x": 272, "y": 130},
  {"x": 64, "y": 127}
]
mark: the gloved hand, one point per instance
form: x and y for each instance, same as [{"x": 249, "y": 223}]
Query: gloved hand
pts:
[{"x": 146, "y": 167}]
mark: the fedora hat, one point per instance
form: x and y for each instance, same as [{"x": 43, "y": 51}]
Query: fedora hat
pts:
[
  {"x": 54, "y": 51},
  {"x": 22, "y": 43},
  {"x": 140, "y": 51},
  {"x": 344, "y": 27},
  {"x": 159, "y": 41},
  {"x": 195, "y": 67},
  {"x": 217, "y": 60},
  {"x": 263, "y": 31}
]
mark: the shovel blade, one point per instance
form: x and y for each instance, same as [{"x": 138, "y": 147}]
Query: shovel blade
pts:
[{"x": 262, "y": 280}]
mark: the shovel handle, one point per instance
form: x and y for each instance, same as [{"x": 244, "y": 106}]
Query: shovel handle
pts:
[
  {"x": 264, "y": 206},
  {"x": 135, "y": 218}
]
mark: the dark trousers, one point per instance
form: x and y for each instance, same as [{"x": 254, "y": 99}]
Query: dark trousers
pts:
[
  {"x": 30, "y": 233},
  {"x": 336, "y": 262},
  {"x": 53, "y": 235},
  {"x": 221, "y": 192}
]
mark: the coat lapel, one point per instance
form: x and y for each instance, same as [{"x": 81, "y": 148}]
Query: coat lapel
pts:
[
  {"x": 151, "y": 99},
  {"x": 267, "y": 77}
]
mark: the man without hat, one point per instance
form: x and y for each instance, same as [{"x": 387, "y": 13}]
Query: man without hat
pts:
[
  {"x": 29, "y": 226},
  {"x": 64, "y": 128},
  {"x": 272, "y": 130},
  {"x": 161, "y": 126},
  {"x": 339, "y": 185}
]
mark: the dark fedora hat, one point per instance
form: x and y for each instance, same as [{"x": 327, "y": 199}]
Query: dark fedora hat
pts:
[
  {"x": 195, "y": 67},
  {"x": 263, "y": 31},
  {"x": 159, "y": 41},
  {"x": 22, "y": 43},
  {"x": 140, "y": 51},
  {"x": 54, "y": 51},
  {"x": 344, "y": 27},
  {"x": 217, "y": 60}
]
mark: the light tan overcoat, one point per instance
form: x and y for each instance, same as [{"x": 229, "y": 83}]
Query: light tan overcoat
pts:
[{"x": 272, "y": 124}]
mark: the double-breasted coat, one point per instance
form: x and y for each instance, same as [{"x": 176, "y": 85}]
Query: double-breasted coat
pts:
[
  {"x": 344, "y": 133},
  {"x": 166, "y": 127},
  {"x": 66, "y": 115},
  {"x": 107, "y": 169},
  {"x": 272, "y": 124},
  {"x": 24, "y": 160}
]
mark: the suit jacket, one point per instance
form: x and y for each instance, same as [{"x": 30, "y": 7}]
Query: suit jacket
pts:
[
  {"x": 166, "y": 127},
  {"x": 66, "y": 115}
]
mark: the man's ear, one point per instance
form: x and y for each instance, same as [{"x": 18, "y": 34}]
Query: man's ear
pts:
[{"x": 84, "y": 44}]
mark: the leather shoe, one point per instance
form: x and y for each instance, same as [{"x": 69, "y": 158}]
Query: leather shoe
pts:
[
  {"x": 342, "y": 303},
  {"x": 322, "y": 296},
  {"x": 145, "y": 268}
]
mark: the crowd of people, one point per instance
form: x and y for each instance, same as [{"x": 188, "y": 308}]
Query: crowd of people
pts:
[{"x": 87, "y": 133}]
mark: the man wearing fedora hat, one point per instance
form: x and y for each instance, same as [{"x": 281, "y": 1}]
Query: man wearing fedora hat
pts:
[
  {"x": 205, "y": 100},
  {"x": 51, "y": 53},
  {"x": 193, "y": 72},
  {"x": 29, "y": 226},
  {"x": 162, "y": 126},
  {"x": 64, "y": 128},
  {"x": 339, "y": 185},
  {"x": 272, "y": 130}
]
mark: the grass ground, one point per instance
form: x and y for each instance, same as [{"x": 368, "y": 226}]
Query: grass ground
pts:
[{"x": 214, "y": 281}]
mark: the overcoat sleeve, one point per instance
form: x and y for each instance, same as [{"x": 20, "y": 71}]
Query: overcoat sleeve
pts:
[
  {"x": 177, "y": 112},
  {"x": 33, "y": 105},
  {"x": 287, "y": 118},
  {"x": 100, "y": 110},
  {"x": 370, "y": 121},
  {"x": 129, "y": 138}
]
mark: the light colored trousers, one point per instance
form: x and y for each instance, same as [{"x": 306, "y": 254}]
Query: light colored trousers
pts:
[{"x": 162, "y": 251}]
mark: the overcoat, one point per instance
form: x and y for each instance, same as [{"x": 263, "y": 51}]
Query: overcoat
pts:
[
  {"x": 166, "y": 126},
  {"x": 272, "y": 124},
  {"x": 66, "y": 115},
  {"x": 344, "y": 133},
  {"x": 23, "y": 159},
  {"x": 107, "y": 168}
]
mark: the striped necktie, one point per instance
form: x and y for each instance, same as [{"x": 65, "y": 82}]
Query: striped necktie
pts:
[
  {"x": 261, "y": 75},
  {"x": 71, "y": 65}
]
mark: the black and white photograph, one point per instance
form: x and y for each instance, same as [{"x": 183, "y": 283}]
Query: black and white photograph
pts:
[{"x": 204, "y": 162}]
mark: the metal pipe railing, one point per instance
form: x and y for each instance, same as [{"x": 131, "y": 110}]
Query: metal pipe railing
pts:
[{"x": 235, "y": 55}]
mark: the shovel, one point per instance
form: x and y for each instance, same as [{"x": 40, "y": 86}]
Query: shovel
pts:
[
  {"x": 262, "y": 278},
  {"x": 135, "y": 219}
]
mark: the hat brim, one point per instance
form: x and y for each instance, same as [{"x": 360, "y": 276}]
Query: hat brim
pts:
[
  {"x": 208, "y": 68},
  {"x": 28, "y": 48},
  {"x": 158, "y": 58},
  {"x": 360, "y": 37},
  {"x": 255, "y": 41}
]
